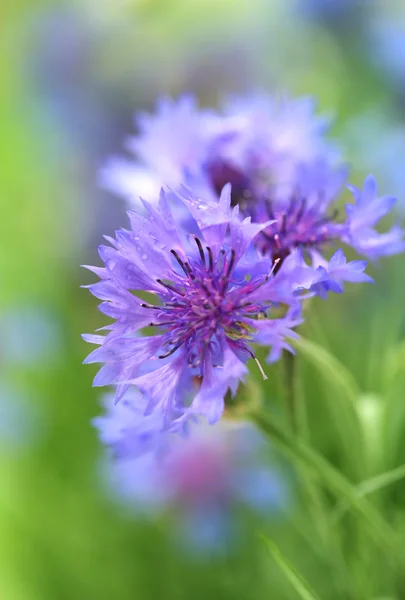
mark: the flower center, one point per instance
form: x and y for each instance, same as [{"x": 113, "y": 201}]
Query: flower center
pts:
[
  {"x": 220, "y": 173},
  {"x": 297, "y": 224},
  {"x": 202, "y": 305}
]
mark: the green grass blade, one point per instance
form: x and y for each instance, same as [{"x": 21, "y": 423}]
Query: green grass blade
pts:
[
  {"x": 369, "y": 486},
  {"x": 341, "y": 394},
  {"x": 330, "y": 367},
  {"x": 301, "y": 454},
  {"x": 300, "y": 585}
]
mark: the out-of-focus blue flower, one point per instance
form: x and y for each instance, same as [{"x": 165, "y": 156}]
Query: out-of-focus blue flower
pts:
[
  {"x": 20, "y": 421},
  {"x": 210, "y": 296},
  {"x": 201, "y": 478},
  {"x": 170, "y": 143},
  {"x": 257, "y": 138},
  {"x": 282, "y": 171},
  {"x": 28, "y": 335},
  {"x": 333, "y": 273},
  {"x": 364, "y": 215},
  {"x": 386, "y": 38}
]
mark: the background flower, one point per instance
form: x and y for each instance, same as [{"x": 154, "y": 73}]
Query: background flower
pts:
[{"x": 201, "y": 478}]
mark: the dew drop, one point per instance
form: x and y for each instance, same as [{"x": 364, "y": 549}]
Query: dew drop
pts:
[{"x": 144, "y": 256}]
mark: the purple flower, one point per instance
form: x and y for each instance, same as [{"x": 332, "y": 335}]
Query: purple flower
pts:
[
  {"x": 210, "y": 297},
  {"x": 364, "y": 215},
  {"x": 281, "y": 168},
  {"x": 171, "y": 143},
  {"x": 308, "y": 219},
  {"x": 332, "y": 274},
  {"x": 257, "y": 138},
  {"x": 201, "y": 477}
]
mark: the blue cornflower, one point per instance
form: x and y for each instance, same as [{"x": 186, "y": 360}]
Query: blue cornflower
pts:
[
  {"x": 201, "y": 477},
  {"x": 364, "y": 215},
  {"x": 333, "y": 273},
  {"x": 281, "y": 169},
  {"x": 308, "y": 220},
  {"x": 255, "y": 137},
  {"x": 209, "y": 297},
  {"x": 170, "y": 143}
]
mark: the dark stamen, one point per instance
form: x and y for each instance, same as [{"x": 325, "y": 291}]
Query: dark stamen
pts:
[
  {"x": 177, "y": 257},
  {"x": 283, "y": 223},
  {"x": 200, "y": 248},
  {"x": 170, "y": 287},
  {"x": 301, "y": 210},
  {"x": 177, "y": 304},
  {"x": 189, "y": 271},
  {"x": 172, "y": 351},
  {"x": 150, "y": 306},
  {"x": 270, "y": 209},
  {"x": 231, "y": 263},
  {"x": 210, "y": 258}
]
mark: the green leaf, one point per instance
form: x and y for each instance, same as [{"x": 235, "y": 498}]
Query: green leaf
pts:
[
  {"x": 341, "y": 394},
  {"x": 300, "y": 585},
  {"x": 331, "y": 368},
  {"x": 331, "y": 478},
  {"x": 369, "y": 486}
]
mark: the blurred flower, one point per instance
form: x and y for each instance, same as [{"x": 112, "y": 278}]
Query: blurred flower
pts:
[
  {"x": 19, "y": 418},
  {"x": 281, "y": 168},
  {"x": 364, "y": 215},
  {"x": 28, "y": 336},
  {"x": 386, "y": 39},
  {"x": 253, "y": 138},
  {"x": 335, "y": 272},
  {"x": 211, "y": 295},
  {"x": 338, "y": 15},
  {"x": 171, "y": 142},
  {"x": 202, "y": 478}
]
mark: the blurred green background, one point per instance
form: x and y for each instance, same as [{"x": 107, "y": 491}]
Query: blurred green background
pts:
[{"x": 71, "y": 76}]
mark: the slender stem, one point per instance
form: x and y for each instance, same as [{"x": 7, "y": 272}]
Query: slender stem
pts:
[
  {"x": 290, "y": 389},
  {"x": 302, "y": 455}
]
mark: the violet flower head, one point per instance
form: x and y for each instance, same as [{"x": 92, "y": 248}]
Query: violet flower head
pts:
[
  {"x": 364, "y": 215},
  {"x": 210, "y": 296},
  {"x": 255, "y": 138},
  {"x": 333, "y": 273},
  {"x": 169, "y": 144},
  {"x": 280, "y": 165},
  {"x": 201, "y": 478},
  {"x": 308, "y": 218}
]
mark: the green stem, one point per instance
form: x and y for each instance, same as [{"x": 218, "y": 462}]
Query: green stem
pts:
[
  {"x": 290, "y": 389},
  {"x": 303, "y": 456}
]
